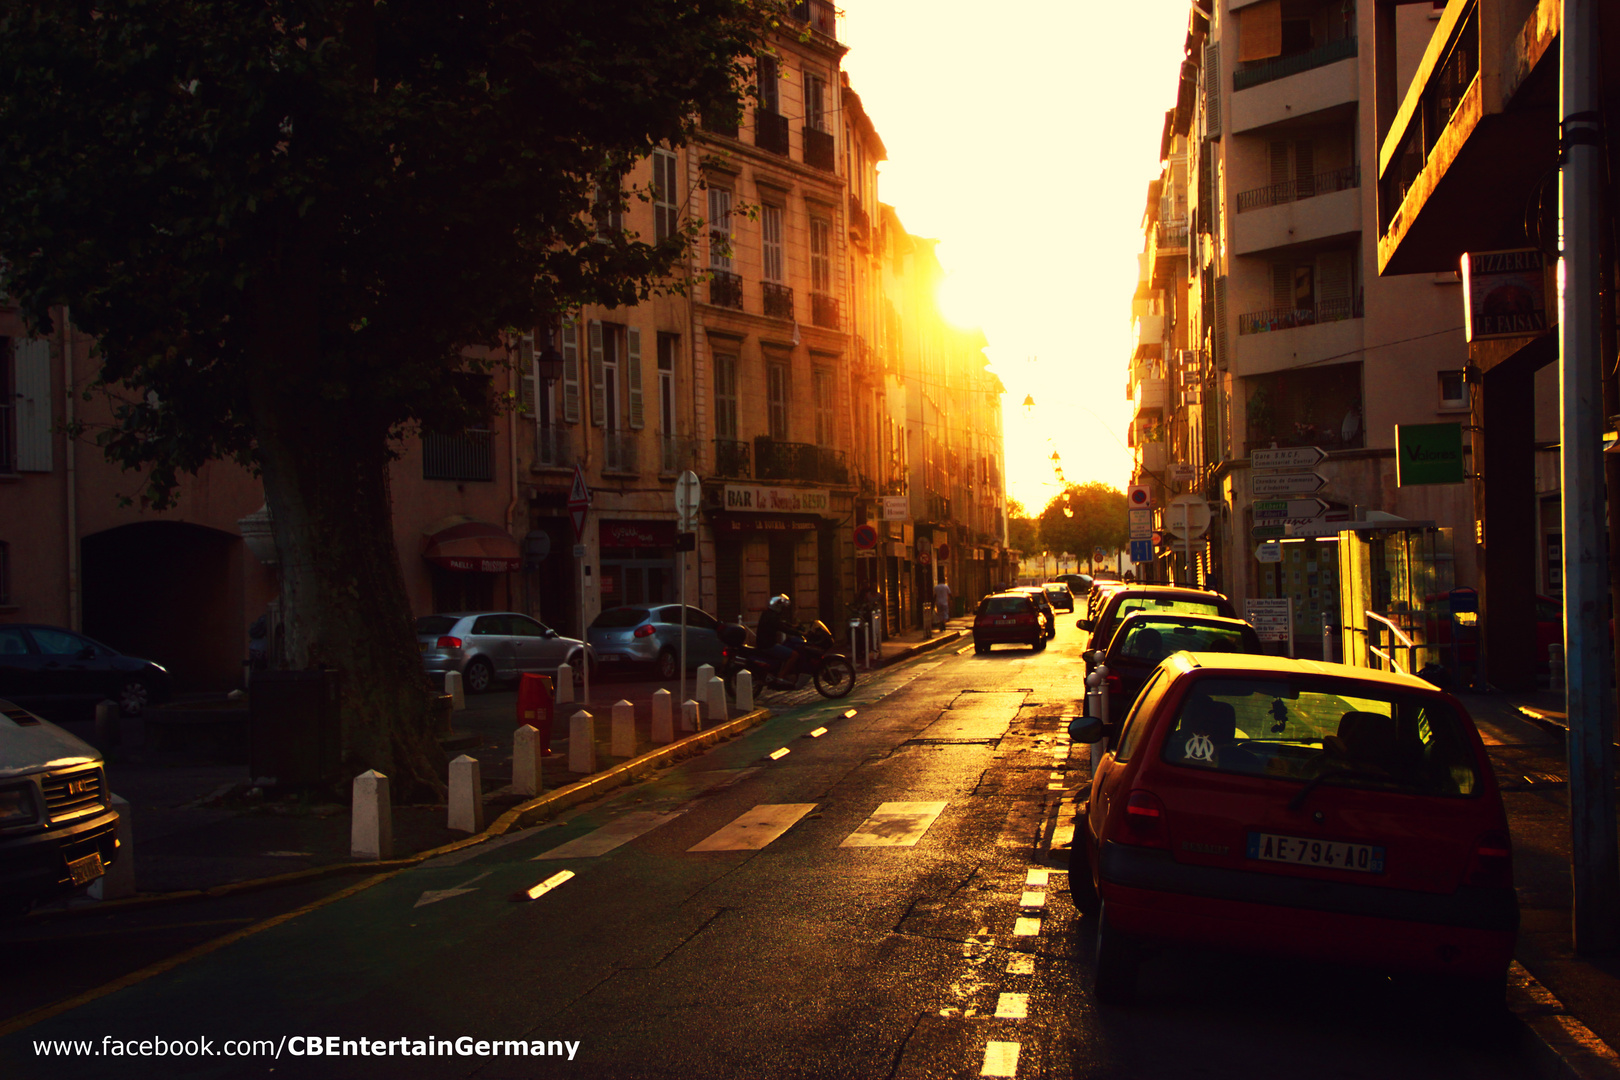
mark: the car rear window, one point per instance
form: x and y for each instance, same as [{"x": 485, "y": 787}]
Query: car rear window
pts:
[
  {"x": 435, "y": 624},
  {"x": 1005, "y": 605},
  {"x": 1165, "y": 605},
  {"x": 1356, "y": 735},
  {"x": 1155, "y": 640},
  {"x": 620, "y": 617}
]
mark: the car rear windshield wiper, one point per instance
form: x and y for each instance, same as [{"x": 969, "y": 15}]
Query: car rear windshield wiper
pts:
[{"x": 1346, "y": 774}]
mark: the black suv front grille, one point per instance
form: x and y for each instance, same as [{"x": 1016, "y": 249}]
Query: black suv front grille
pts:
[{"x": 73, "y": 792}]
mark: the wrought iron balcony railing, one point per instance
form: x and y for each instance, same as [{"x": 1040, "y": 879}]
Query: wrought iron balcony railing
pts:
[
  {"x": 778, "y": 460},
  {"x": 720, "y": 125},
  {"x": 725, "y": 289},
  {"x": 619, "y": 451},
  {"x": 771, "y": 131},
  {"x": 552, "y": 448},
  {"x": 824, "y": 310},
  {"x": 1284, "y": 66},
  {"x": 818, "y": 149},
  {"x": 676, "y": 454},
  {"x": 468, "y": 456},
  {"x": 1261, "y": 322},
  {"x": 1305, "y": 187},
  {"x": 732, "y": 459},
  {"x": 778, "y": 300},
  {"x": 860, "y": 226}
]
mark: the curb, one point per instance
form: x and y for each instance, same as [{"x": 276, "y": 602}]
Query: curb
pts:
[
  {"x": 920, "y": 648},
  {"x": 518, "y": 817},
  {"x": 1545, "y": 722},
  {"x": 1560, "y": 1047}
]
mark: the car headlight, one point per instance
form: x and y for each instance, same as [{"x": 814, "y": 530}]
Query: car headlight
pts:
[{"x": 17, "y": 805}]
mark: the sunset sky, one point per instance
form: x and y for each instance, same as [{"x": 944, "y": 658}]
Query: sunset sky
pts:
[{"x": 1023, "y": 135}]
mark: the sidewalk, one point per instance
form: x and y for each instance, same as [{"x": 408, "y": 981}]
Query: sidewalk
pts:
[{"x": 1524, "y": 737}]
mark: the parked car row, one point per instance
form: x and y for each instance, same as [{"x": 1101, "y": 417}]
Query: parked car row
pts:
[{"x": 64, "y": 674}]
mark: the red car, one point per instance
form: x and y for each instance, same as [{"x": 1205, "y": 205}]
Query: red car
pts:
[
  {"x": 1008, "y": 618},
  {"x": 1296, "y": 808}
]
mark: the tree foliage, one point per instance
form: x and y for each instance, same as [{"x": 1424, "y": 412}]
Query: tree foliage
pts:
[
  {"x": 1084, "y": 517},
  {"x": 1022, "y": 531}
]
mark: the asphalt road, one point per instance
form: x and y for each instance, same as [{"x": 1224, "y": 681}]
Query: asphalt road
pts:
[{"x": 878, "y": 901}]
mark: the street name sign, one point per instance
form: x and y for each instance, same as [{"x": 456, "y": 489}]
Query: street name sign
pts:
[
  {"x": 1271, "y": 617},
  {"x": 1279, "y": 510},
  {"x": 1288, "y": 457},
  {"x": 1286, "y": 483}
]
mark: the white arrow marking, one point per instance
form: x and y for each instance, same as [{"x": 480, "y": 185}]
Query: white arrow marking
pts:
[{"x": 433, "y": 896}]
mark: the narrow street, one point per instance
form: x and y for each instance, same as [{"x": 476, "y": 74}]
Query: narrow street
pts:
[{"x": 878, "y": 901}]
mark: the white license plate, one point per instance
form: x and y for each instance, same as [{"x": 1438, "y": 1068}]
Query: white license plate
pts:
[
  {"x": 609, "y": 658},
  {"x": 87, "y": 869},
  {"x": 1331, "y": 854},
  {"x": 1004, "y": 622}
]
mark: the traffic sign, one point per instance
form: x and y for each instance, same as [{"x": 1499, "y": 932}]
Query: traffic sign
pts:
[
  {"x": 1138, "y": 496},
  {"x": 1141, "y": 551},
  {"x": 1286, "y": 483},
  {"x": 1269, "y": 532},
  {"x": 866, "y": 537},
  {"x": 579, "y": 501},
  {"x": 1268, "y": 552},
  {"x": 1187, "y": 516},
  {"x": 1288, "y": 457},
  {"x": 1141, "y": 522},
  {"x": 896, "y": 507},
  {"x": 1288, "y": 509},
  {"x": 1099, "y": 553},
  {"x": 688, "y": 497},
  {"x": 1271, "y": 617},
  {"x": 1182, "y": 473}
]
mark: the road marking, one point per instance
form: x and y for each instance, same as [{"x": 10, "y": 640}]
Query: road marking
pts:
[
  {"x": 1063, "y": 835},
  {"x": 895, "y": 824},
  {"x": 1026, "y": 927},
  {"x": 1036, "y": 877},
  {"x": 778, "y": 755},
  {"x": 1032, "y": 899},
  {"x": 1021, "y": 964},
  {"x": 615, "y": 833},
  {"x": 1057, "y": 776},
  {"x": 1012, "y": 1006},
  {"x": 1000, "y": 1059},
  {"x": 965, "y": 648},
  {"x": 537, "y": 891},
  {"x": 1055, "y": 787},
  {"x": 818, "y": 733},
  {"x": 755, "y": 829},
  {"x": 849, "y": 714},
  {"x": 433, "y": 896}
]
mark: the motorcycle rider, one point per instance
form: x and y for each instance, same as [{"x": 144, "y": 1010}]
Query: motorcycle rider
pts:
[{"x": 776, "y": 626}]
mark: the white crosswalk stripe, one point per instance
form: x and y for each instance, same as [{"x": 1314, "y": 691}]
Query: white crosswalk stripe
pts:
[
  {"x": 895, "y": 824},
  {"x": 755, "y": 829},
  {"x": 621, "y": 830}
]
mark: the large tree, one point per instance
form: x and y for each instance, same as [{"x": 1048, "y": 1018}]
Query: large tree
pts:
[
  {"x": 1022, "y": 532},
  {"x": 1085, "y": 517},
  {"x": 289, "y": 223}
]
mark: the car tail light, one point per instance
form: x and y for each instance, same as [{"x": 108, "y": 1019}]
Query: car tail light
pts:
[
  {"x": 1116, "y": 685},
  {"x": 1492, "y": 862},
  {"x": 1144, "y": 821},
  {"x": 645, "y": 630},
  {"x": 725, "y": 654},
  {"x": 1026, "y": 620},
  {"x": 448, "y": 643},
  {"x": 983, "y": 620}
]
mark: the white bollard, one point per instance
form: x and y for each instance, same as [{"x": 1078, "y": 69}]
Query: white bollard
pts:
[
  {"x": 745, "y": 691},
  {"x": 624, "y": 730},
  {"x": 717, "y": 699},
  {"x": 582, "y": 742},
  {"x": 119, "y": 880},
  {"x": 705, "y": 672},
  {"x": 527, "y": 778},
  {"x": 466, "y": 795},
  {"x": 452, "y": 686},
  {"x": 565, "y": 684},
  {"x": 691, "y": 716},
  {"x": 663, "y": 718},
  {"x": 371, "y": 833}
]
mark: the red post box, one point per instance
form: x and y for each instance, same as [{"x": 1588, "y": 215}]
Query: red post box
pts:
[{"x": 537, "y": 706}]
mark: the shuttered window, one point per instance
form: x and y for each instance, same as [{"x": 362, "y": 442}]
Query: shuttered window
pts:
[
  {"x": 820, "y": 256},
  {"x": 570, "y": 380},
  {"x": 599, "y": 403},
  {"x": 825, "y": 420},
  {"x": 719, "y": 229},
  {"x": 777, "y": 392},
  {"x": 725, "y": 396},
  {"x": 636, "y": 410},
  {"x": 1260, "y": 31},
  {"x": 665, "y": 191},
  {"x": 31, "y": 359},
  {"x": 770, "y": 231},
  {"x": 1212, "y": 90}
]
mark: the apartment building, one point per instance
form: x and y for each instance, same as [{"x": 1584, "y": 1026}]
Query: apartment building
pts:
[{"x": 1261, "y": 321}]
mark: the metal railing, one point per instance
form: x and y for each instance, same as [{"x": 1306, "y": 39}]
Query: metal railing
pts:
[
  {"x": 1440, "y": 97},
  {"x": 552, "y": 447},
  {"x": 939, "y": 507},
  {"x": 860, "y": 226},
  {"x": 824, "y": 310},
  {"x": 619, "y": 451},
  {"x": 1305, "y": 187},
  {"x": 1261, "y": 322},
  {"x": 778, "y": 300},
  {"x": 778, "y": 460},
  {"x": 771, "y": 131},
  {"x": 818, "y": 149},
  {"x": 468, "y": 456},
  {"x": 725, "y": 289},
  {"x": 1284, "y": 66},
  {"x": 720, "y": 125},
  {"x": 676, "y": 453},
  {"x": 732, "y": 459},
  {"x": 1171, "y": 235}
]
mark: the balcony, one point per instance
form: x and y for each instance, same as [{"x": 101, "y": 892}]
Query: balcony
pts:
[
  {"x": 725, "y": 289},
  {"x": 1327, "y": 311},
  {"x": 1295, "y": 86},
  {"x": 732, "y": 460},
  {"x": 818, "y": 149},
  {"x": 619, "y": 452},
  {"x": 821, "y": 16},
  {"x": 777, "y": 460},
  {"x": 860, "y": 225},
  {"x": 552, "y": 448},
  {"x": 937, "y": 507},
  {"x": 719, "y": 124},
  {"x": 771, "y": 131},
  {"x": 466, "y": 457},
  {"x": 1148, "y": 339},
  {"x": 1168, "y": 246},
  {"x": 1152, "y": 457},
  {"x": 778, "y": 300},
  {"x": 1150, "y": 389},
  {"x": 824, "y": 310},
  {"x": 1300, "y": 62},
  {"x": 1327, "y": 216},
  {"x": 676, "y": 454},
  {"x": 1304, "y": 188}
]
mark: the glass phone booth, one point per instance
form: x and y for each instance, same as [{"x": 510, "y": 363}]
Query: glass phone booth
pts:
[{"x": 1395, "y": 585}]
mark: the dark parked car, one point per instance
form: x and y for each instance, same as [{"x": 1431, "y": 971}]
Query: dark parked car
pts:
[
  {"x": 650, "y": 637},
  {"x": 1043, "y": 604},
  {"x": 1008, "y": 618},
  {"x": 1057, "y": 592},
  {"x": 61, "y": 673},
  {"x": 1163, "y": 599},
  {"x": 1147, "y": 637}
]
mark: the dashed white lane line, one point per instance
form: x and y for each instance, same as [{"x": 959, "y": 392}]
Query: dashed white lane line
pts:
[
  {"x": 1037, "y": 876},
  {"x": 1021, "y": 964},
  {"x": 818, "y": 733},
  {"x": 1032, "y": 900},
  {"x": 895, "y": 824},
  {"x": 1027, "y": 927},
  {"x": 600, "y": 841},
  {"x": 778, "y": 755},
  {"x": 1000, "y": 1059},
  {"x": 1056, "y": 787},
  {"x": 755, "y": 829},
  {"x": 1057, "y": 776},
  {"x": 537, "y": 891},
  {"x": 1012, "y": 1006}
]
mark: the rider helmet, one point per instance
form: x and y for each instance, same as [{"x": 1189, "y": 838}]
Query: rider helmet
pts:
[{"x": 781, "y": 604}]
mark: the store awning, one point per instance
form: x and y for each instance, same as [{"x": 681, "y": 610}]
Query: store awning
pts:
[{"x": 461, "y": 543}]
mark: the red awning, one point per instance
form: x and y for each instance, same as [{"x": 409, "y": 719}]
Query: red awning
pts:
[{"x": 460, "y": 543}]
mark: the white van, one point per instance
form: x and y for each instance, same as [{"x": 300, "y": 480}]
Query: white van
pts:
[{"x": 58, "y": 830}]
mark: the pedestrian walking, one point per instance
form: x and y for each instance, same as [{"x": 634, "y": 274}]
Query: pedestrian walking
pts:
[{"x": 942, "y": 599}]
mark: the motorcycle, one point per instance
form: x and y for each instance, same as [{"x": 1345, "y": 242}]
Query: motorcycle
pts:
[{"x": 832, "y": 672}]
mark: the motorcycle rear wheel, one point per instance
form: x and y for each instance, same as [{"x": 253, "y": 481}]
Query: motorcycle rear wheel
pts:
[{"x": 835, "y": 677}]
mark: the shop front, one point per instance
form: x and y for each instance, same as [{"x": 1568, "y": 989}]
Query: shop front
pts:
[
  {"x": 468, "y": 562},
  {"x": 637, "y": 561},
  {"x": 773, "y": 540}
]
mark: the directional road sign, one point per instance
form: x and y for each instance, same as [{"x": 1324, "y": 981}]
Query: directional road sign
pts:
[
  {"x": 1286, "y": 483},
  {"x": 1277, "y": 510},
  {"x": 1289, "y": 457}
]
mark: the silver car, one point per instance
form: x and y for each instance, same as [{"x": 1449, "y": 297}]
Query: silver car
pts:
[
  {"x": 650, "y": 636},
  {"x": 493, "y": 646}
]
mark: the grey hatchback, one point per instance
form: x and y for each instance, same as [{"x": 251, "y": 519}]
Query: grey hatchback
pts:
[
  {"x": 486, "y": 646},
  {"x": 651, "y": 637}
]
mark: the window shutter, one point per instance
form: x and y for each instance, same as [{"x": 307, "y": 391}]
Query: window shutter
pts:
[
  {"x": 570, "y": 380},
  {"x": 638, "y": 414},
  {"x": 1282, "y": 285},
  {"x": 33, "y": 380},
  {"x": 1212, "y": 90},
  {"x": 598, "y": 381},
  {"x": 1220, "y": 322},
  {"x": 530, "y": 393},
  {"x": 1305, "y": 168},
  {"x": 1279, "y": 162},
  {"x": 1333, "y": 278}
]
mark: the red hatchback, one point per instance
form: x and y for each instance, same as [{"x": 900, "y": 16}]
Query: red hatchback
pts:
[
  {"x": 1009, "y": 618},
  {"x": 1299, "y": 809}
]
